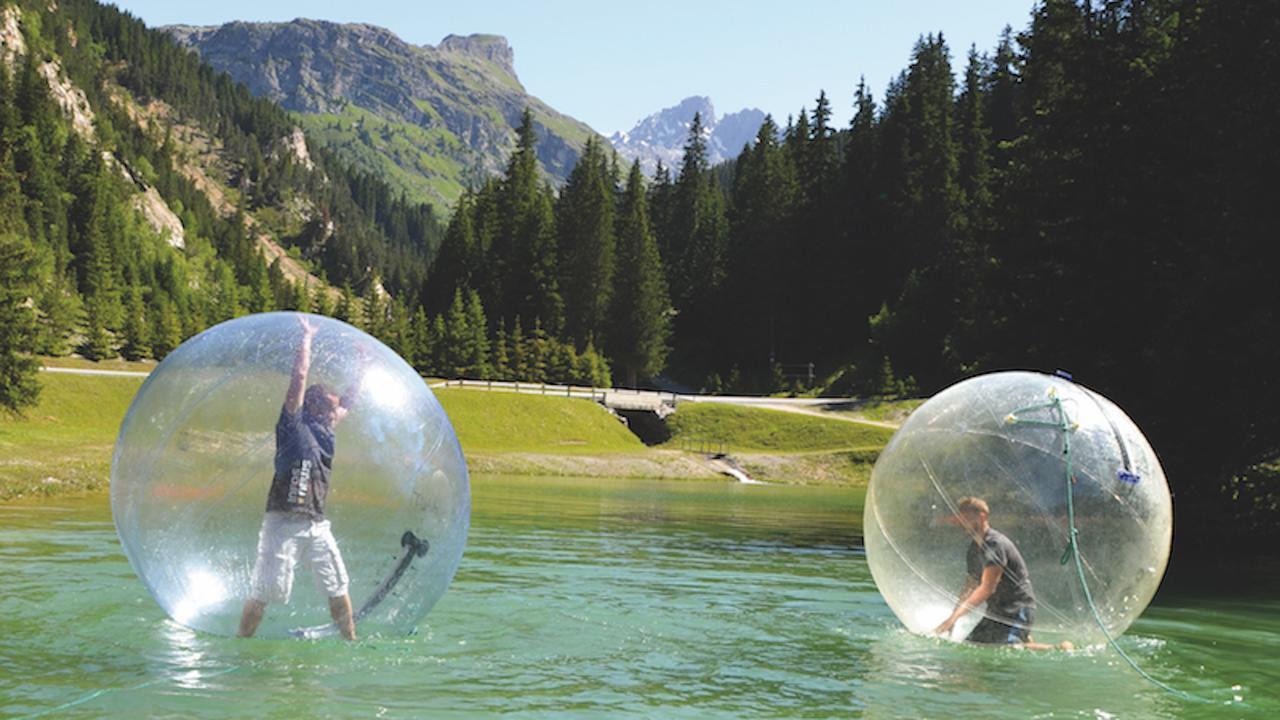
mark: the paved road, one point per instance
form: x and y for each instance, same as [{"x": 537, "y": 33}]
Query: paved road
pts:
[
  {"x": 91, "y": 371},
  {"x": 614, "y": 397}
]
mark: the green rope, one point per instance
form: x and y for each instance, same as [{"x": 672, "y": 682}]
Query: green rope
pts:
[{"x": 1072, "y": 550}]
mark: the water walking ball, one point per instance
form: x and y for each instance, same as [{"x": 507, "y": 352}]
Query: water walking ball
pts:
[
  {"x": 196, "y": 457},
  {"x": 1046, "y": 455}
]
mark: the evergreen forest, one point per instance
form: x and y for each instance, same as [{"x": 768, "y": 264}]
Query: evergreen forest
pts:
[{"x": 1094, "y": 194}]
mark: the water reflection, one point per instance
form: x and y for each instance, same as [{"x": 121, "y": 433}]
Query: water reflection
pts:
[{"x": 580, "y": 598}]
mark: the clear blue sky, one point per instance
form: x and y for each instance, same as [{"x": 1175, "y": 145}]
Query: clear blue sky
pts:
[{"x": 610, "y": 65}]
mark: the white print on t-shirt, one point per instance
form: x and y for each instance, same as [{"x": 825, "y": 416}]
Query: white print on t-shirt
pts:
[{"x": 300, "y": 483}]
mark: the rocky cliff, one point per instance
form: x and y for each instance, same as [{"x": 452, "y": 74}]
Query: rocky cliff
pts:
[{"x": 430, "y": 119}]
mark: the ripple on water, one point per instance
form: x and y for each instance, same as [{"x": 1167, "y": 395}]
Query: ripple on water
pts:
[{"x": 578, "y": 611}]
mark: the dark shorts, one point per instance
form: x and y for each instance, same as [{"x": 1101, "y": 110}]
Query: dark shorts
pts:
[{"x": 994, "y": 632}]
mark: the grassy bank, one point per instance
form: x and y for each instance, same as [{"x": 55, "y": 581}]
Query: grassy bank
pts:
[
  {"x": 64, "y": 443},
  {"x": 748, "y": 429},
  {"x": 778, "y": 446},
  {"x": 488, "y": 422}
]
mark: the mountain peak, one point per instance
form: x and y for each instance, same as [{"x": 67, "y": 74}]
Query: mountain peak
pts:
[
  {"x": 661, "y": 136},
  {"x": 436, "y": 118},
  {"x": 493, "y": 48}
]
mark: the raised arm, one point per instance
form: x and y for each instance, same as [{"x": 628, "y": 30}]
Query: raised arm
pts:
[{"x": 301, "y": 367}]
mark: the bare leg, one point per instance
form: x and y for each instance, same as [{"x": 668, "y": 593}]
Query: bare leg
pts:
[
  {"x": 340, "y": 609},
  {"x": 251, "y": 617},
  {"x": 1064, "y": 645}
]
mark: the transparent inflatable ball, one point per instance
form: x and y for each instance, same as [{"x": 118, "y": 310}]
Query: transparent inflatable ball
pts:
[
  {"x": 1036, "y": 449},
  {"x": 222, "y": 492}
]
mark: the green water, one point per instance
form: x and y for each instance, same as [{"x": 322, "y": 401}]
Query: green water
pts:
[{"x": 605, "y": 599}]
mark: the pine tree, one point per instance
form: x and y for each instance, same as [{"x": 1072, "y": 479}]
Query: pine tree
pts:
[
  {"x": 455, "y": 352},
  {"x": 763, "y": 267},
  {"x": 688, "y": 200},
  {"x": 477, "y": 344},
  {"x": 438, "y": 343},
  {"x": 346, "y": 309},
  {"x": 518, "y": 347},
  {"x": 399, "y": 331},
  {"x": 321, "y": 304},
  {"x": 500, "y": 359},
  {"x": 19, "y": 387},
  {"x": 422, "y": 347},
  {"x": 641, "y": 319},
  {"x": 537, "y": 352},
  {"x": 456, "y": 258},
  {"x": 373, "y": 316},
  {"x": 166, "y": 332},
  {"x": 137, "y": 334},
  {"x": 585, "y": 229},
  {"x": 58, "y": 309}
]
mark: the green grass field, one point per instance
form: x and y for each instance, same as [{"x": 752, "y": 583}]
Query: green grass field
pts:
[
  {"x": 749, "y": 429},
  {"x": 64, "y": 443},
  {"x": 507, "y": 422}
]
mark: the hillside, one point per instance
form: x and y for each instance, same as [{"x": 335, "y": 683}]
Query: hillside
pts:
[
  {"x": 145, "y": 196},
  {"x": 430, "y": 119}
]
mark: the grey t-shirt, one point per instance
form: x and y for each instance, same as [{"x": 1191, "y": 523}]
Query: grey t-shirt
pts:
[
  {"x": 304, "y": 460},
  {"x": 1014, "y": 589}
]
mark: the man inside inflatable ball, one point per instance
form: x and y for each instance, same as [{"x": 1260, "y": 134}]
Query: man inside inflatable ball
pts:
[
  {"x": 295, "y": 526},
  {"x": 997, "y": 575}
]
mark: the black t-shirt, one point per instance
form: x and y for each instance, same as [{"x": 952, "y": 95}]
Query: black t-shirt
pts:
[
  {"x": 1013, "y": 592},
  {"x": 304, "y": 460}
]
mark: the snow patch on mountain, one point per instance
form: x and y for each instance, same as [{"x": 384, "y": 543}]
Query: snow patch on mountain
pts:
[{"x": 661, "y": 136}]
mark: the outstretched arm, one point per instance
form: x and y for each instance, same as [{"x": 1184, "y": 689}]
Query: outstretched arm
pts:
[
  {"x": 301, "y": 367},
  {"x": 973, "y": 596}
]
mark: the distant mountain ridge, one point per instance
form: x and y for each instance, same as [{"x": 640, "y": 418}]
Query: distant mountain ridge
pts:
[
  {"x": 661, "y": 136},
  {"x": 432, "y": 120}
]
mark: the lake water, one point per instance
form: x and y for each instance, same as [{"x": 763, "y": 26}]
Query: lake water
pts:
[{"x": 606, "y": 598}]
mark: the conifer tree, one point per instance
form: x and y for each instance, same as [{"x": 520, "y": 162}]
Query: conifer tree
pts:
[
  {"x": 373, "y": 315},
  {"x": 500, "y": 359},
  {"x": 320, "y": 301},
  {"x": 58, "y": 309},
  {"x": 762, "y": 264},
  {"x": 477, "y": 342},
  {"x": 438, "y": 343},
  {"x": 537, "y": 351},
  {"x": 688, "y": 203},
  {"x": 399, "y": 331},
  {"x": 166, "y": 331},
  {"x": 455, "y": 351},
  {"x": 519, "y": 350},
  {"x": 455, "y": 259},
  {"x": 585, "y": 228},
  {"x": 422, "y": 347},
  {"x": 641, "y": 321},
  {"x": 346, "y": 309},
  {"x": 137, "y": 333},
  {"x": 19, "y": 387},
  {"x": 538, "y": 289}
]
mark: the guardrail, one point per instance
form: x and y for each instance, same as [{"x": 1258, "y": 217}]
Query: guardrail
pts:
[{"x": 615, "y": 398}]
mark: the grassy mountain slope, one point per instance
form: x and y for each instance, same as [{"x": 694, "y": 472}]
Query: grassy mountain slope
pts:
[{"x": 431, "y": 120}]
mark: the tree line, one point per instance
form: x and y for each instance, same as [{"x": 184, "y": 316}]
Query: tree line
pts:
[{"x": 1092, "y": 194}]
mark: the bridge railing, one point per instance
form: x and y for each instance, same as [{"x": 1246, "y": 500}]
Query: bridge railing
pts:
[{"x": 613, "y": 397}]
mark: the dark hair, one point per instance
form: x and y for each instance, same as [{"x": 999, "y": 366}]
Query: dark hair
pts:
[{"x": 315, "y": 395}]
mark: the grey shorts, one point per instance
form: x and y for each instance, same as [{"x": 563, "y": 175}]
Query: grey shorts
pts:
[
  {"x": 994, "y": 632},
  {"x": 286, "y": 539}
]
